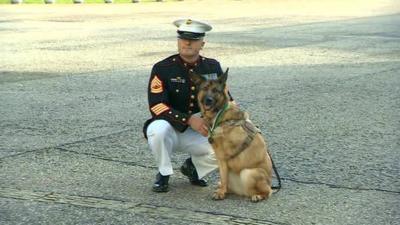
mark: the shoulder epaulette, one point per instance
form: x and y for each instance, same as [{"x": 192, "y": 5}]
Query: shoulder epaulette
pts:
[
  {"x": 167, "y": 61},
  {"x": 209, "y": 60}
]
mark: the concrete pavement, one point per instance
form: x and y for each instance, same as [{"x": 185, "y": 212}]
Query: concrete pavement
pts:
[{"x": 320, "y": 78}]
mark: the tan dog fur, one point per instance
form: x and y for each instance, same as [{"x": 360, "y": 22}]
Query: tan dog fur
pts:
[{"x": 248, "y": 173}]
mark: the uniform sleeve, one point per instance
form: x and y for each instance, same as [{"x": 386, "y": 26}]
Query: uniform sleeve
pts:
[{"x": 159, "y": 103}]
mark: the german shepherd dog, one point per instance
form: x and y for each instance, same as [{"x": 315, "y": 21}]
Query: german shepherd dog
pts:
[{"x": 245, "y": 168}]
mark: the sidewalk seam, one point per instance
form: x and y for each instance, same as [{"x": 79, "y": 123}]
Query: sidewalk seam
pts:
[{"x": 147, "y": 209}]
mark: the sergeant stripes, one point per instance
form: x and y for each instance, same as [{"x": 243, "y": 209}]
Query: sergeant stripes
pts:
[
  {"x": 159, "y": 108},
  {"x": 156, "y": 85}
]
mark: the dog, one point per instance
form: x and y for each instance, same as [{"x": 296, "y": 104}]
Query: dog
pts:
[{"x": 245, "y": 166}]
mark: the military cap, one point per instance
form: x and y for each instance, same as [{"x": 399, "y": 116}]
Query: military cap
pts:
[{"x": 191, "y": 29}]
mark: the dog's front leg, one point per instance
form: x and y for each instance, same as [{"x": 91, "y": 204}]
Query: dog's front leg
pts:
[{"x": 223, "y": 173}]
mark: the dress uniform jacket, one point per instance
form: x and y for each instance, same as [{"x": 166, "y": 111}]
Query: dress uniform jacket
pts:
[{"x": 172, "y": 95}]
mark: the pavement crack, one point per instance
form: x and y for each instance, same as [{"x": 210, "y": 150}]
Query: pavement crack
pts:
[
  {"x": 52, "y": 197},
  {"x": 148, "y": 210},
  {"x": 95, "y": 156},
  {"x": 104, "y": 158},
  {"x": 374, "y": 73},
  {"x": 206, "y": 216},
  {"x": 25, "y": 152},
  {"x": 67, "y": 143},
  {"x": 340, "y": 186},
  {"x": 94, "y": 138}
]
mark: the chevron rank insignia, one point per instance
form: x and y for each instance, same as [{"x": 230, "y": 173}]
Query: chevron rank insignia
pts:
[
  {"x": 159, "y": 108},
  {"x": 156, "y": 85}
]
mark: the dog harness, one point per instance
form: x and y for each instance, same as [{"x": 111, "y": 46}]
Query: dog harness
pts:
[
  {"x": 249, "y": 128},
  {"x": 251, "y": 131},
  {"x": 246, "y": 124}
]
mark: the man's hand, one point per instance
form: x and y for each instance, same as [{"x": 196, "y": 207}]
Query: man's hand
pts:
[{"x": 198, "y": 124}]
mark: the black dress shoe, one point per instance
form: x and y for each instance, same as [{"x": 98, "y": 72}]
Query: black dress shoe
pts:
[
  {"x": 161, "y": 184},
  {"x": 189, "y": 170}
]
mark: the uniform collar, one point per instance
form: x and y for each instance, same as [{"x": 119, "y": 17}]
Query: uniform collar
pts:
[{"x": 187, "y": 64}]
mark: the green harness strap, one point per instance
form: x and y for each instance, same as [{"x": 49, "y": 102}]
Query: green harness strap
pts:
[{"x": 217, "y": 121}]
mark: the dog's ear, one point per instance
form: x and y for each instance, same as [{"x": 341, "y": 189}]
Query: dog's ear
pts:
[
  {"x": 222, "y": 79},
  {"x": 197, "y": 79}
]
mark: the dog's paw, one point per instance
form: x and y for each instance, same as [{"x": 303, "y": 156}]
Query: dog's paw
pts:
[
  {"x": 257, "y": 198},
  {"x": 219, "y": 195}
]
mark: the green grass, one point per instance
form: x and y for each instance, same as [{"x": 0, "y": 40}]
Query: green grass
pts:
[{"x": 71, "y": 1}]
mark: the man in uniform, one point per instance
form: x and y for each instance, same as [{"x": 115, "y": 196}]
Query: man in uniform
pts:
[{"x": 176, "y": 123}]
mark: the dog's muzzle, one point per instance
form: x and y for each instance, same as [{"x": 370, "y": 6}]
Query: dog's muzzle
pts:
[{"x": 208, "y": 101}]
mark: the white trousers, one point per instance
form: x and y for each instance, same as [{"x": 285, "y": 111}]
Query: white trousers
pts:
[{"x": 163, "y": 140}]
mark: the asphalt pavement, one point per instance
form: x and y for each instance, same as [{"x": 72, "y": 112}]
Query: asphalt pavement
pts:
[{"x": 320, "y": 78}]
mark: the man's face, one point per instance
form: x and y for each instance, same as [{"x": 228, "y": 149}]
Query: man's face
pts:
[{"x": 189, "y": 48}]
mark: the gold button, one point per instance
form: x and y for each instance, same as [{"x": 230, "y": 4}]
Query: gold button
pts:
[
  {"x": 195, "y": 64},
  {"x": 193, "y": 88},
  {"x": 183, "y": 119},
  {"x": 192, "y": 96},
  {"x": 203, "y": 59},
  {"x": 191, "y": 70},
  {"x": 170, "y": 112},
  {"x": 191, "y": 104},
  {"x": 190, "y": 111},
  {"x": 185, "y": 64},
  {"x": 177, "y": 90},
  {"x": 176, "y": 116}
]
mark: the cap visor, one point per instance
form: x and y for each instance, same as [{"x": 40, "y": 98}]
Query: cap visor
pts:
[{"x": 190, "y": 35}]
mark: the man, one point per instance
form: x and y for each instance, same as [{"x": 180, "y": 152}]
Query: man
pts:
[{"x": 176, "y": 123}]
